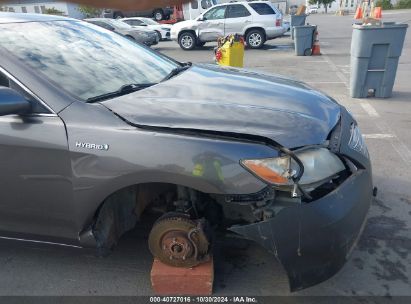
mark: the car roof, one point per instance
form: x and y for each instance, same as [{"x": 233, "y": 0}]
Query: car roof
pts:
[
  {"x": 6, "y": 17},
  {"x": 96, "y": 19},
  {"x": 242, "y": 2}
]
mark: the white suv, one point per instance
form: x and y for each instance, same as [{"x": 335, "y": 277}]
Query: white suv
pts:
[{"x": 258, "y": 21}]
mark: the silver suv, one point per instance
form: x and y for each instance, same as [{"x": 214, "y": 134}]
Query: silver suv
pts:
[{"x": 258, "y": 21}]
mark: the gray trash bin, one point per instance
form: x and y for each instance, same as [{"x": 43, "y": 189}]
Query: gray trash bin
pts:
[
  {"x": 303, "y": 42},
  {"x": 375, "y": 51},
  {"x": 296, "y": 20}
]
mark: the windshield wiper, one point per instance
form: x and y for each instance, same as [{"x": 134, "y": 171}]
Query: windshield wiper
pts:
[
  {"x": 125, "y": 89},
  {"x": 178, "y": 70}
]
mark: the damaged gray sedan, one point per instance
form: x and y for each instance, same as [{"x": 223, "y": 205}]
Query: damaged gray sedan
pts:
[{"x": 96, "y": 130}]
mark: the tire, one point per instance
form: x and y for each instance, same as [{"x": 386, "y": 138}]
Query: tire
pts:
[
  {"x": 255, "y": 39},
  {"x": 187, "y": 41},
  {"x": 159, "y": 36},
  {"x": 118, "y": 15},
  {"x": 158, "y": 15}
]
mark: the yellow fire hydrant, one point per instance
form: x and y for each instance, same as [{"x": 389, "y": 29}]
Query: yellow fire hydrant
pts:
[{"x": 230, "y": 51}]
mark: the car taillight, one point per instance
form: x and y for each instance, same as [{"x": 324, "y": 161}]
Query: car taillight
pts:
[{"x": 278, "y": 22}]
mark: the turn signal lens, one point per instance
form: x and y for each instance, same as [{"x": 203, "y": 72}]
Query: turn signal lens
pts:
[
  {"x": 272, "y": 170},
  {"x": 320, "y": 164}
]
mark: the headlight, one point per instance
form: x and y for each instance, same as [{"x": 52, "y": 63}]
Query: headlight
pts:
[
  {"x": 357, "y": 142},
  {"x": 319, "y": 165}
]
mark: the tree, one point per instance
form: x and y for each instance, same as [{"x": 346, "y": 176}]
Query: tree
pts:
[
  {"x": 326, "y": 3},
  {"x": 53, "y": 11},
  {"x": 89, "y": 11},
  {"x": 138, "y": 5}
]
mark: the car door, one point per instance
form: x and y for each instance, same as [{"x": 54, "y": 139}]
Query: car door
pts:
[
  {"x": 35, "y": 171},
  {"x": 212, "y": 26},
  {"x": 237, "y": 19}
]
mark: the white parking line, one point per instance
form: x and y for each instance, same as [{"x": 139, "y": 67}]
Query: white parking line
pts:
[
  {"x": 378, "y": 136},
  {"x": 369, "y": 109}
]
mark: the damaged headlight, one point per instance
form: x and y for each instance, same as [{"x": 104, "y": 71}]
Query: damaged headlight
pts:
[
  {"x": 319, "y": 164},
  {"x": 357, "y": 142}
]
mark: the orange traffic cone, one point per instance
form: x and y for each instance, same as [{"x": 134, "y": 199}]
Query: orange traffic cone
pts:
[
  {"x": 358, "y": 13},
  {"x": 316, "y": 45},
  {"x": 377, "y": 12}
]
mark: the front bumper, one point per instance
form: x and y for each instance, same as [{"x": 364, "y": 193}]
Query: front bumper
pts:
[{"x": 313, "y": 241}]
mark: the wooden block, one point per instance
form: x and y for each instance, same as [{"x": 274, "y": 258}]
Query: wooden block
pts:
[{"x": 169, "y": 280}]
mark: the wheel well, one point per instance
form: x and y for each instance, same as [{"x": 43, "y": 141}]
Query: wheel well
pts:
[
  {"x": 255, "y": 28},
  {"x": 122, "y": 210},
  {"x": 186, "y": 31}
]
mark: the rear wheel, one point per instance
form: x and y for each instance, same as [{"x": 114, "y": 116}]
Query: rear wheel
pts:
[
  {"x": 158, "y": 14},
  {"x": 255, "y": 39},
  {"x": 187, "y": 41},
  {"x": 118, "y": 15},
  {"x": 159, "y": 35}
]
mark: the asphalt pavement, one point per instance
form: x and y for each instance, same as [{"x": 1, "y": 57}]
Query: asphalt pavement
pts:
[{"x": 381, "y": 263}]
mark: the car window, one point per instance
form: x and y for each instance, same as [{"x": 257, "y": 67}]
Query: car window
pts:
[
  {"x": 262, "y": 8},
  {"x": 84, "y": 60},
  {"x": 237, "y": 11},
  {"x": 4, "y": 80},
  {"x": 103, "y": 25},
  {"x": 215, "y": 13},
  {"x": 133, "y": 22},
  {"x": 37, "y": 107},
  {"x": 194, "y": 4}
]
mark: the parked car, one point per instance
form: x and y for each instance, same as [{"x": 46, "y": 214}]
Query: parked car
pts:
[
  {"x": 158, "y": 13},
  {"x": 141, "y": 35},
  {"x": 162, "y": 30},
  {"x": 258, "y": 21},
  {"x": 96, "y": 129},
  {"x": 313, "y": 10},
  {"x": 286, "y": 25}
]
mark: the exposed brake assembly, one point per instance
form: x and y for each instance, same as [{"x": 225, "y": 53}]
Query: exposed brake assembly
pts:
[{"x": 179, "y": 241}]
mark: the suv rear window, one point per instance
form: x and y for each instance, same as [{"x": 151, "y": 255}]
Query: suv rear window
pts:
[
  {"x": 237, "y": 11},
  {"x": 262, "y": 8}
]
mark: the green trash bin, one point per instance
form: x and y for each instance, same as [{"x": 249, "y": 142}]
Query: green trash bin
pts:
[
  {"x": 375, "y": 51},
  {"x": 303, "y": 39},
  {"x": 296, "y": 20}
]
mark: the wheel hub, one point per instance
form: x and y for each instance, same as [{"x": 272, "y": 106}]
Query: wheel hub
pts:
[
  {"x": 179, "y": 241},
  {"x": 177, "y": 245}
]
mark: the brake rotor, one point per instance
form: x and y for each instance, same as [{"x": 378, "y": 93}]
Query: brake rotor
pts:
[{"x": 179, "y": 241}]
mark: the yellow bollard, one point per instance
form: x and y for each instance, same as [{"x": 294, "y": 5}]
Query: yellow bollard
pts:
[{"x": 230, "y": 51}]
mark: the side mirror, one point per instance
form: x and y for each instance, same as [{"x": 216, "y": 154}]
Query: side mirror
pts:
[
  {"x": 202, "y": 18},
  {"x": 12, "y": 102}
]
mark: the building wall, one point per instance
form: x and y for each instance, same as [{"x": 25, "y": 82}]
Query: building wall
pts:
[
  {"x": 349, "y": 5},
  {"x": 39, "y": 7}
]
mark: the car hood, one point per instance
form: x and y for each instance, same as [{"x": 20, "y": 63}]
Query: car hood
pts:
[
  {"x": 210, "y": 98},
  {"x": 184, "y": 25}
]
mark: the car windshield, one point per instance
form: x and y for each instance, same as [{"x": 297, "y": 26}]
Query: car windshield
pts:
[
  {"x": 83, "y": 59},
  {"x": 150, "y": 21}
]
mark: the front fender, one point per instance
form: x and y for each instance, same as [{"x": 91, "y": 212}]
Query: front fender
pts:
[{"x": 135, "y": 156}]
